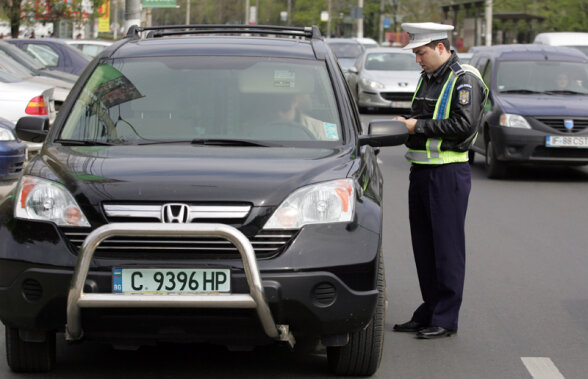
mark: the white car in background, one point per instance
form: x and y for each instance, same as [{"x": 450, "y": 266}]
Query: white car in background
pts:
[
  {"x": 21, "y": 98},
  {"x": 577, "y": 40},
  {"x": 384, "y": 78}
]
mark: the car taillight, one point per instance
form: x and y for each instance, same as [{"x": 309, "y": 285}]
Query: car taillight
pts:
[{"x": 37, "y": 106}]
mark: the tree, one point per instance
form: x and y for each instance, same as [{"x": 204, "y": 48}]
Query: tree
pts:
[
  {"x": 12, "y": 11},
  {"x": 47, "y": 11}
]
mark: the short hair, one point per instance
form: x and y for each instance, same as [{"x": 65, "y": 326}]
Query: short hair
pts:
[{"x": 444, "y": 41}]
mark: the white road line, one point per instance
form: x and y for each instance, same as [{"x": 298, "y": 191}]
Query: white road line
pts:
[{"x": 541, "y": 368}]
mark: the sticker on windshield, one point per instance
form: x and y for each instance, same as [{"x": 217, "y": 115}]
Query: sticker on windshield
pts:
[
  {"x": 331, "y": 131},
  {"x": 284, "y": 78}
]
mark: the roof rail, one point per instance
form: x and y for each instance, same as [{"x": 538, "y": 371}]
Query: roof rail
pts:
[{"x": 135, "y": 31}]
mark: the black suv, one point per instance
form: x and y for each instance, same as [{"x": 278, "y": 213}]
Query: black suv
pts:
[{"x": 200, "y": 184}]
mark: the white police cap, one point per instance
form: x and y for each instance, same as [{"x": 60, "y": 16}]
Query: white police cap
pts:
[{"x": 422, "y": 33}]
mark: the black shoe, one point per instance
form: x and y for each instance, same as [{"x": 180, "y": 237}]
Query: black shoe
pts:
[
  {"x": 434, "y": 332},
  {"x": 410, "y": 327}
]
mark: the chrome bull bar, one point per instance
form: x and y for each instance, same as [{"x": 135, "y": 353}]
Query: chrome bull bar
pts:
[{"x": 78, "y": 299}]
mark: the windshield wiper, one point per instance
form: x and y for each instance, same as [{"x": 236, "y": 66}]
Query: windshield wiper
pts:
[
  {"x": 227, "y": 142},
  {"x": 212, "y": 142},
  {"x": 519, "y": 91},
  {"x": 77, "y": 142},
  {"x": 565, "y": 92}
]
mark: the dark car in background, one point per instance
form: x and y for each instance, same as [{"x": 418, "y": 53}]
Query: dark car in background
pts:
[
  {"x": 13, "y": 153},
  {"x": 54, "y": 53},
  {"x": 211, "y": 187},
  {"x": 536, "y": 112}
]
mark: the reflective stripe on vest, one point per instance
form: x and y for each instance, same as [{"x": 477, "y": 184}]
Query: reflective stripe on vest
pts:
[{"x": 433, "y": 153}]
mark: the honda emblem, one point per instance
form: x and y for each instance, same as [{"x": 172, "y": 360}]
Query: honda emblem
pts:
[{"x": 175, "y": 213}]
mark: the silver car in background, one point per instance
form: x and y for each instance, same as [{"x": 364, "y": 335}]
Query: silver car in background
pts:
[{"x": 384, "y": 78}]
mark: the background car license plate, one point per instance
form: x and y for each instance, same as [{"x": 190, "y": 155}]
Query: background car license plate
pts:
[
  {"x": 141, "y": 280},
  {"x": 400, "y": 104},
  {"x": 566, "y": 141}
]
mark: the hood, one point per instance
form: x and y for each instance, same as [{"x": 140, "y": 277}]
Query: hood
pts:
[
  {"x": 185, "y": 173},
  {"x": 544, "y": 105}
]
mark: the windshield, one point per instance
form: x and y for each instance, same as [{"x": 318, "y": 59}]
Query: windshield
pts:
[
  {"x": 20, "y": 56},
  {"x": 583, "y": 49},
  {"x": 391, "y": 62},
  {"x": 346, "y": 50},
  {"x": 10, "y": 66},
  {"x": 542, "y": 77},
  {"x": 168, "y": 99}
]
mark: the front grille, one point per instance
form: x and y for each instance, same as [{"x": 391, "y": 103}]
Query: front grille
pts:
[
  {"x": 397, "y": 96},
  {"x": 558, "y": 124},
  {"x": 266, "y": 244}
]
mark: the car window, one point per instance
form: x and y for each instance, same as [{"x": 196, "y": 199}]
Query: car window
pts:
[
  {"x": 583, "y": 49},
  {"x": 90, "y": 50},
  {"x": 5, "y": 77},
  {"x": 346, "y": 50},
  {"x": 14, "y": 67},
  {"x": 169, "y": 98},
  {"x": 391, "y": 62},
  {"x": 541, "y": 76},
  {"x": 46, "y": 54}
]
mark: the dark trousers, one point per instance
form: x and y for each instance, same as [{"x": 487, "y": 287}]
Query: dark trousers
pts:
[{"x": 438, "y": 201}]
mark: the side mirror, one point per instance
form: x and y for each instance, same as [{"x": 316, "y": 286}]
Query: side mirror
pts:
[
  {"x": 352, "y": 70},
  {"x": 32, "y": 129},
  {"x": 385, "y": 133}
]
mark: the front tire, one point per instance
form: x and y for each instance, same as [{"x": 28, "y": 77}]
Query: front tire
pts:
[
  {"x": 471, "y": 156},
  {"x": 362, "y": 355},
  {"x": 494, "y": 168},
  {"x": 24, "y": 356}
]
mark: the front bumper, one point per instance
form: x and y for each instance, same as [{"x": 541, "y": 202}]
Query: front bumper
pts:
[
  {"x": 309, "y": 301},
  {"x": 519, "y": 145},
  {"x": 393, "y": 100}
]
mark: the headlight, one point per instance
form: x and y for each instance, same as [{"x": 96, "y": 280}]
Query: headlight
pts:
[
  {"x": 372, "y": 84},
  {"x": 40, "y": 199},
  {"x": 5, "y": 135},
  {"x": 514, "y": 121},
  {"x": 316, "y": 204}
]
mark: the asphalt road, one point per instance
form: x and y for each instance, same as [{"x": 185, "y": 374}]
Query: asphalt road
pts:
[{"x": 525, "y": 310}]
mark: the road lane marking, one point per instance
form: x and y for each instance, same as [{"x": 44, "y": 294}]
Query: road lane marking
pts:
[{"x": 541, "y": 368}]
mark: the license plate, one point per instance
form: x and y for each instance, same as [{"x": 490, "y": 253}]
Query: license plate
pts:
[
  {"x": 400, "y": 104},
  {"x": 566, "y": 141},
  {"x": 153, "y": 280}
]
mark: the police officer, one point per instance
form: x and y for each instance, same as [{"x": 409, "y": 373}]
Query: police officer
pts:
[{"x": 446, "y": 109}]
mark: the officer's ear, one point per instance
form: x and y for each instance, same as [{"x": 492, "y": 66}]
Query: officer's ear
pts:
[{"x": 441, "y": 47}]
